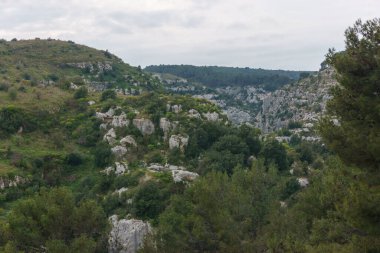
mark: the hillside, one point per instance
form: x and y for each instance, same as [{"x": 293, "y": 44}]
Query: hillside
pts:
[
  {"x": 219, "y": 77},
  {"x": 98, "y": 156}
]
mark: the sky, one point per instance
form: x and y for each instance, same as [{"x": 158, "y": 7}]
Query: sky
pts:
[{"x": 270, "y": 34}]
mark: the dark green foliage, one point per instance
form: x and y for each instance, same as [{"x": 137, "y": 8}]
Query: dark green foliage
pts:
[
  {"x": 224, "y": 76},
  {"x": 102, "y": 154},
  {"x": 274, "y": 152},
  {"x": 11, "y": 119},
  {"x": 82, "y": 92},
  {"x": 74, "y": 159},
  {"x": 217, "y": 213},
  {"x": 356, "y": 101},
  {"x": 149, "y": 201},
  {"x": 108, "y": 94},
  {"x": 53, "y": 219}
]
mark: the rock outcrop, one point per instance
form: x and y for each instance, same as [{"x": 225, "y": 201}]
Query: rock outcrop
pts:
[
  {"x": 127, "y": 236},
  {"x": 183, "y": 175},
  {"x": 145, "y": 126},
  {"x": 119, "y": 151},
  {"x": 120, "y": 121},
  {"x": 178, "y": 141},
  {"x": 6, "y": 182},
  {"x": 110, "y": 136},
  {"x": 128, "y": 141},
  {"x": 211, "y": 116}
]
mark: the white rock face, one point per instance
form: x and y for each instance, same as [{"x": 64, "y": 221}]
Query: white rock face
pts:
[
  {"x": 211, "y": 116},
  {"x": 156, "y": 167},
  {"x": 194, "y": 114},
  {"x": 120, "y": 191},
  {"x": 120, "y": 121},
  {"x": 145, "y": 126},
  {"x": 183, "y": 175},
  {"x": 127, "y": 236},
  {"x": 303, "y": 181},
  {"x": 120, "y": 168},
  {"x": 178, "y": 141},
  {"x": 128, "y": 141},
  {"x": 103, "y": 116},
  {"x": 110, "y": 136},
  {"x": 166, "y": 126},
  {"x": 91, "y": 102},
  {"x": 119, "y": 151},
  {"x": 6, "y": 182},
  {"x": 177, "y": 108}
]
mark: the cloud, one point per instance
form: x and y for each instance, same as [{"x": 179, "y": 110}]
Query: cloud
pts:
[{"x": 293, "y": 34}]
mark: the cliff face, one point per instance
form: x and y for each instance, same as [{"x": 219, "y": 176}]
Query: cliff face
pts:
[{"x": 302, "y": 101}]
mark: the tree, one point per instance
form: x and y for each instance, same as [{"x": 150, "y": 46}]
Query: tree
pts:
[
  {"x": 51, "y": 219},
  {"x": 82, "y": 92},
  {"x": 355, "y": 135},
  {"x": 275, "y": 152},
  {"x": 108, "y": 94}
]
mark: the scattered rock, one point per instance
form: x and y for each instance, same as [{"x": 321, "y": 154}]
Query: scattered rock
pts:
[
  {"x": 128, "y": 141},
  {"x": 127, "y": 236},
  {"x": 194, "y": 114},
  {"x": 120, "y": 168},
  {"x": 110, "y": 136},
  {"x": 211, "y": 116},
  {"x": 8, "y": 182},
  {"x": 303, "y": 181},
  {"x": 119, "y": 151},
  {"x": 120, "y": 121},
  {"x": 178, "y": 141},
  {"x": 182, "y": 175},
  {"x": 145, "y": 126},
  {"x": 120, "y": 191}
]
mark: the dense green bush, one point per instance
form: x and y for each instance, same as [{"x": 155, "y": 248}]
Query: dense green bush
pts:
[{"x": 108, "y": 94}]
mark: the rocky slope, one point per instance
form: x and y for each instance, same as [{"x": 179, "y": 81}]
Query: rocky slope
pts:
[{"x": 301, "y": 102}]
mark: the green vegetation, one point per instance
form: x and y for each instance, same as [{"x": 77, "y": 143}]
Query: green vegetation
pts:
[
  {"x": 213, "y": 76},
  {"x": 253, "y": 193}
]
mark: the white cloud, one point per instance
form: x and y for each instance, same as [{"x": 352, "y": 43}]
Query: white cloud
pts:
[{"x": 293, "y": 34}]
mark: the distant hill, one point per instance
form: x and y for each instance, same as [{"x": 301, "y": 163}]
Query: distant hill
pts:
[
  {"x": 214, "y": 76},
  {"x": 47, "y": 62}
]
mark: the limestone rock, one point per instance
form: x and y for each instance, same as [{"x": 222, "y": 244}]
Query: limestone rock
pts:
[
  {"x": 211, "y": 116},
  {"x": 303, "y": 181},
  {"x": 178, "y": 141},
  {"x": 127, "y": 236},
  {"x": 145, "y": 126},
  {"x": 7, "y": 182},
  {"x": 128, "y": 141},
  {"x": 120, "y": 168},
  {"x": 91, "y": 102},
  {"x": 182, "y": 175},
  {"x": 120, "y": 191},
  {"x": 120, "y": 121},
  {"x": 110, "y": 136},
  {"x": 119, "y": 151},
  {"x": 107, "y": 115},
  {"x": 194, "y": 114}
]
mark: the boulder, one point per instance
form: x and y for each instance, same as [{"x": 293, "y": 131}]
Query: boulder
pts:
[
  {"x": 91, "y": 102},
  {"x": 183, "y": 175},
  {"x": 178, "y": 141},
  {"x": 120, "y": 191},
  {"x": 119, "y": 151},
  {"x": 103, "y": 116},
  {"x": 120, "y": 121},
  {"x": 110, "y": 136},
  {"x": 303, "y": 181},
  {"x": 145, "y": 126},
  {"x": 211, "y": 116},
  {"x": 120, "y": 168},
  {"x": 128, "y": 141},
  {"x": 194, "y": 114},
  {"x": 127, "y": 236}
]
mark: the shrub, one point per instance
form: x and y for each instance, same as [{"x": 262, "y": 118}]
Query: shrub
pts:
[
  {"x": 82, "y": 92},
  {"x": 108, "y": 94},
  {"x": 12, "y": 93},
  {"x": 74, "y": 159}
]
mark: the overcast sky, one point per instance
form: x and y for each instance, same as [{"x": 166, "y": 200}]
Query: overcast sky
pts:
[{"x": 274, "y": 34}]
